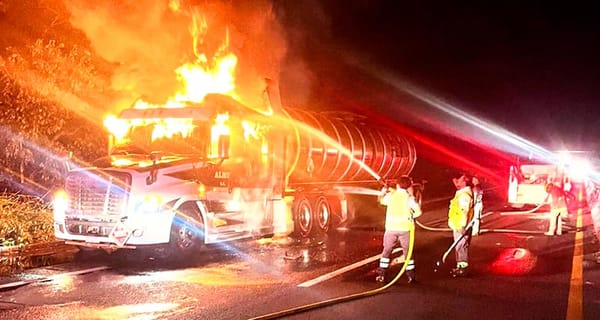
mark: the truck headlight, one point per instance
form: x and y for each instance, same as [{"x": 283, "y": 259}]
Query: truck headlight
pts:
[{"x": 60, "y": 204}]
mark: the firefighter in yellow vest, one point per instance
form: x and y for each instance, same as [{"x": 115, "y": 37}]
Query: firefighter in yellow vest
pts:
[
  {"x": 460, "y": 213},
  {"x": 558, "y": 208},
  {"x": 401, "y": 211}
]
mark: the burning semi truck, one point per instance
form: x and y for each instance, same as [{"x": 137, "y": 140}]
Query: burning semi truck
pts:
[{"x": 216, "y": 171}]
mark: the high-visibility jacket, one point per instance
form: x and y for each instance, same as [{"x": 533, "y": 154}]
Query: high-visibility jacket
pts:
[
  {"x": 400, "y": 211},
  {"x": 460, "y": 211}
]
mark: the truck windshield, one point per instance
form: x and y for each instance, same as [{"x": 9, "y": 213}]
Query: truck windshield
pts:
[{"x": 144, "y": 139}]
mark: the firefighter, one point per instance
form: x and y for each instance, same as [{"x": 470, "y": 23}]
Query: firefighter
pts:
[
  {"x": 558, "y": 208},
  {"x": 401, "y": 211},
  {"x": 460, "y": 214},
  {"x": 593, "y": 199},
  {"x": 478, "y": 205}
]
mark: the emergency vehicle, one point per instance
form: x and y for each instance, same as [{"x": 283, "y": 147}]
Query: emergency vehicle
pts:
[
  {"x": 528, "y": 177},
  {"x": 215, "y": 171}
]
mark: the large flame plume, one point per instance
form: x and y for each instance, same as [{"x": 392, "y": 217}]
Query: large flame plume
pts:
[{"x": 169, "y": 53}]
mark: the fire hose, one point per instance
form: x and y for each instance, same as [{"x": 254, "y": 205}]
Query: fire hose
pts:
[
  {"x": 467, "y": 231},
  {"x": 350, "y": 297},
  {"x": 537, "y": 207},
  {"x": 408, "y": 256}
]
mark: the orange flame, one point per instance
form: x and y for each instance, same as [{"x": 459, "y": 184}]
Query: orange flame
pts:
[
  {"x": 220, "y": 128},
  {"x": 198, "y": 79}
]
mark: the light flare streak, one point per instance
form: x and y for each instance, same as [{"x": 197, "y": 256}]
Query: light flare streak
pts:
[
  {"x": 476, "y": 128},
  {"x": 513, "y": 142}
]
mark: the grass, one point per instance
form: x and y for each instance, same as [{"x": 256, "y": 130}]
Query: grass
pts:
[{"x": 24, "y": 220}]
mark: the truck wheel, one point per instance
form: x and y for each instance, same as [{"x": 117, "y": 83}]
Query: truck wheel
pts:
[
  {"x": 322, "y": 212},
  {"x": 187, "y": 232},
  {"x": 303, "y": 218}
]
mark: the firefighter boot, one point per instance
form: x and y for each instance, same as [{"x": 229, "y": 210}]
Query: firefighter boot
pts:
[
  {"x": 458, "y": 272},
  {"x": 411, "y": 276},
  {"x": 380, "y": 275}
]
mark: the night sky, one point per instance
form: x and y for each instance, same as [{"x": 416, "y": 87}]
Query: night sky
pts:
[{"x": 529, "y": 67}]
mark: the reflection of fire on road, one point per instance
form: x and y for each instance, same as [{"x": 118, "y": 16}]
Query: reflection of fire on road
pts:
[
  {"x": 235, "y": 274},
  {"x": 126, "y": 311},
  {"x": 513, "y": 262}
]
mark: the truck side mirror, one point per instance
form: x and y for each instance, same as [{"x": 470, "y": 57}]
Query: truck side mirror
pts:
[{"x": 223, "y": 146}]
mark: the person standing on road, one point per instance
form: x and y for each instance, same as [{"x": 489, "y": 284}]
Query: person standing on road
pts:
[
  {"x": 593, "y": 199},
  {"x": 558, "y": 208},
  {"x": 478, "y": 206},
  {"x": 401, "y": 210},
  {"x": 460, "y": 214}
]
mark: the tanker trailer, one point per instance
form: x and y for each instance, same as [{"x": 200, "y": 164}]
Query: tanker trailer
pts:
[
  {"x": 335, "y": 156},
  {"x": 196, "y": 174}
]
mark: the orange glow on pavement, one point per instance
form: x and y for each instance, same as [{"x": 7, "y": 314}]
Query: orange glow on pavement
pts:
[{"x": 235, "y": 274}]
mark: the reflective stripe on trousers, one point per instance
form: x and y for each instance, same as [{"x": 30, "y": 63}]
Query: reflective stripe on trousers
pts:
[{"x": 384, "y": 263}]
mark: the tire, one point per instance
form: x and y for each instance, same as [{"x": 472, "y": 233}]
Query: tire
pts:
[
  {"x": 187, "y": 231},
  {"x": 322, "y": 213},
  {"x": 303, "y": 217}
]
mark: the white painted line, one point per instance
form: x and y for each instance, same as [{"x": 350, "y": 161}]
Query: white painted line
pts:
[
  {"x": 337, "y": 272},
  {"x": 52, "y": 277}
]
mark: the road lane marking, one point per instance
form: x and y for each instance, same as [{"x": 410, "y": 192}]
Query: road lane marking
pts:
[
  {"x": 575, "y": 305},
  {"x": 345, "y": 269},
  {"x": 52, "y": 277}
]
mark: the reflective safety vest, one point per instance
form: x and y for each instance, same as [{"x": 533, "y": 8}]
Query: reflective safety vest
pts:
[
  {"x": 460, "y": 211},
  {"x": 401, "y": 209}
]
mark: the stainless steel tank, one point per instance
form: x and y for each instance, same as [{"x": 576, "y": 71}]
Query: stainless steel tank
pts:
[{"x": 351, "y": 141}]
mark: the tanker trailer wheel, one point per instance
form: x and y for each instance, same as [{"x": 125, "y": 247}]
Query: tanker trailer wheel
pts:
[
  {"x": 303, "y": 217},
  {"x": 322, "y": 213}
]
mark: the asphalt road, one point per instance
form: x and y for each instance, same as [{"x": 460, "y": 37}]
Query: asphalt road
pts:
[{"x": 516, "y": 273}]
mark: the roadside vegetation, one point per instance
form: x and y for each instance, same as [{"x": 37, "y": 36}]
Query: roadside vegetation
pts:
[
  {"x": 52, "y": 91},
  {"x": 24, "y": 220}
]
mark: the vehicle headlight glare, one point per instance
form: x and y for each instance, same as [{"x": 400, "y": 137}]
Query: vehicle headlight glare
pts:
[{"x": 60, "y": 203}]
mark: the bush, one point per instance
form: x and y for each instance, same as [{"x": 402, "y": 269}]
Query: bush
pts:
[{"x": 23, "y": 220}]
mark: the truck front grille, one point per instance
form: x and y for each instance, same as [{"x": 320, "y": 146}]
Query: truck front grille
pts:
[{"x": 95, "y": 198}]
